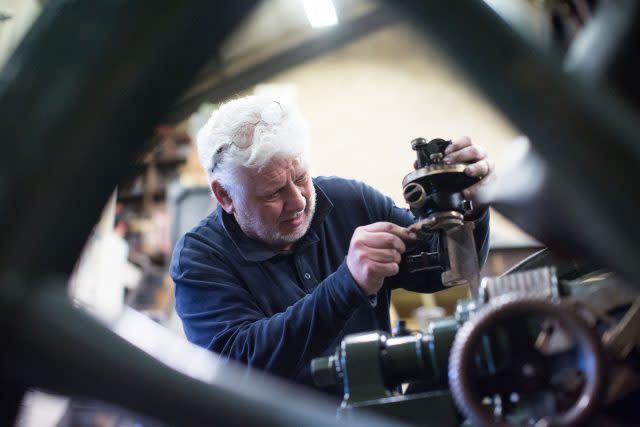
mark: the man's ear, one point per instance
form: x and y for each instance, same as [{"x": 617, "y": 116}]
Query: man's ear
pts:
[{"x": 222, "y": 196}]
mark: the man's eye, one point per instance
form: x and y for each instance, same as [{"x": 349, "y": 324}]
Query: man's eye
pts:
[{"x": 302, "y": 179}]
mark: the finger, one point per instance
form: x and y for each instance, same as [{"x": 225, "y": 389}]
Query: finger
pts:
[
  {"x": 382, "y": 240},
  {"x": 380, "y": 255},
  {"x": 384, "y": 269},
  {"x": 471, "y": 193},
  {"x": 388, "y": 227},
  {"x": 458, "y": 144},
  {"x": 480, "y": 169},
  {"x": 471, "y": 153}
]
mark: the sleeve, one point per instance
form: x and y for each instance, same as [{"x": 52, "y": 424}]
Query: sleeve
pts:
[
  {"x": 382, "y": 208},
  {"x": 218, "y": 313}
]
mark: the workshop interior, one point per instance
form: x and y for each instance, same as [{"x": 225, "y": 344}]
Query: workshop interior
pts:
[{"x": 99, "y": 178}]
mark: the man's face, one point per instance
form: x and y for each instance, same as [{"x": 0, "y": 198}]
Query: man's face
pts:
[{"x": 277, "y": 204}]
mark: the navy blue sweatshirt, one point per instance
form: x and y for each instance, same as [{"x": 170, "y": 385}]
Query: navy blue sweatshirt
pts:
[{"x": 278, "y": 310}]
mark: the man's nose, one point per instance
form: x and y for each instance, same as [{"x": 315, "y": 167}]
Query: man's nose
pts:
[{"x": 296, "y": 201}]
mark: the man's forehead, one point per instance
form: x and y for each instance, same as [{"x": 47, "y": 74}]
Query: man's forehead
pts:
[{"x": 278, "y": 166}]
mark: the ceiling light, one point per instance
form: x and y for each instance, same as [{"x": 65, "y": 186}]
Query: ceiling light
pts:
[{"x": 321, "y": 13}]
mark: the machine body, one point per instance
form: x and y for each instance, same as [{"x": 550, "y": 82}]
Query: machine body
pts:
[{"x": 531, "y": 349}]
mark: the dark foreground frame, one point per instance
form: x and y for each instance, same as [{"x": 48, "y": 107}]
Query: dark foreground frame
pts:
[{"x": 89, "y": 83}]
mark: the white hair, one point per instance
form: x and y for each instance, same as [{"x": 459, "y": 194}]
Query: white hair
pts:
[{"x": 249, "y": 132}]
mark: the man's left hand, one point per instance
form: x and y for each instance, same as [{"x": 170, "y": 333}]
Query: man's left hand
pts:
[{"x": 462, "y": 150}]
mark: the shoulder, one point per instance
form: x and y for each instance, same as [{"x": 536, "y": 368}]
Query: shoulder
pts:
[
  {"x": 364, "y": 203},
  {"x": 343, "y": 188},
  {"x": 202, "y": 241},
  {"x": 208, "y": 231}
]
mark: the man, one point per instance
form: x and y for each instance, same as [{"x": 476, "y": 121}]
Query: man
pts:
[{"x": 287, "y": 265}]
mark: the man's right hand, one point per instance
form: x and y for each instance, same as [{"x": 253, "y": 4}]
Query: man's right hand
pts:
[{"x": 375, "y": 253}]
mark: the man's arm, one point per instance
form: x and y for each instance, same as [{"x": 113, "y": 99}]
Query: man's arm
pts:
[{"x": 220, "y": 314}]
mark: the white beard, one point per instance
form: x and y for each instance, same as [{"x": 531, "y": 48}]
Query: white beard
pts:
[{"x": 252, "y": 227}]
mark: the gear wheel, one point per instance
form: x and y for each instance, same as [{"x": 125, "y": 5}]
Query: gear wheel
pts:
[{"x": 526, "y": 372}]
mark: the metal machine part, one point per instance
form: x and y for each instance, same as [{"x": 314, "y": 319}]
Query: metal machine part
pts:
[
  {"x": 456, "y": 255},
  {"x": 532, "y": 349},
  {"x": 434, "y": 194},
  {"x": 409, "y": 357},
  {"x": 402, "y": 359},
  {"x": 501, "y": 375},
  {"x": 435, "y": 186},
  {"x": 540, "y": 281},
  {"x": 371, "y": 366},
  {"x": 464, "y": 268}
]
